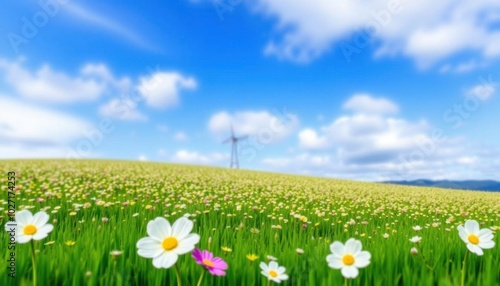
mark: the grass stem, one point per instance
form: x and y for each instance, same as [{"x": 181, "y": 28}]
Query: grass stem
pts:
[
  {"x": 464, "y": 268},
  {"x": 33, "y": 259}
]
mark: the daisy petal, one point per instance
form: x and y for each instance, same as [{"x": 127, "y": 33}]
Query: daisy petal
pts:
[
  {"x": 148, "y": 243},
  {"x": 273, "y": 265},
  {"x": 353, "y": 246},
  {"x": 264, "y": 267},
  {"x": 39, "y": 235},
  {"x": 181, "y": 228},
  {"x": 337, "y": 248},
  {"x": 40, "y": 219},
  {"x": 207, "y": 255},
  {"x": 150, "y": 253},
  {"x": 350, "y": 272},
  {"x": 283, "y": 277},
  {"x": 362, "y": 259},
  {"x": 475, "y": 249},
  {"x": 334, "y": 262},
  {"x": 463, "y": 233},
  {"x": 23, "y": 238},
  {"x": 217, "y": 272},
  {"x": 219, "y": 263},
  {"x": 485, "y": 234},
  {"x": 166, "y": 260},
  {"x": 275, "y": 279},
  {"x": 24, "y": 217},
  {"x": 149, "y": 248},
  {"x": 472, "y": 226},
  {"x": 46, "y": 228},
  {"x": 159, "y": 229},
  {"x": 281, "y": 270},
  {"x": 12, "y": 227},
  {"x": 487, "y": 244},
  {"x": 187, "y": 244},
  {"x": 197, "y": 255}
]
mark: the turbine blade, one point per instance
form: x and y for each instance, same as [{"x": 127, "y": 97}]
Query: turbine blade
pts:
[
  {"x": 227, "y": 140},
  {"x": 242, "y": 137}
]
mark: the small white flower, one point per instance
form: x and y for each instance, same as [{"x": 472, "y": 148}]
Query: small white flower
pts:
[
  {"x": 415, "y": 239},
  {"x": 116, "y": 253},
  {"x": 299, "y": 251},
  {"x": 31, "y": 226},
  {"x": 348, "y": 258},
  {"x": 475, "y": 238},
  {"x": 271, "y": 258},
  {"x": 385, "y": 235},
  {"x": 273, "y": 271},
  {"x": 417, "y": 228},
  {"x": 414, "y": 251},
  {"x": 165, "y": 243}
]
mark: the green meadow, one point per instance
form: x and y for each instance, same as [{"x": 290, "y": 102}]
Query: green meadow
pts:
[{"x": 100, "y": 206}]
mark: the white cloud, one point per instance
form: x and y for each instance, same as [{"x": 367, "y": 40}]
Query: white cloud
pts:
[
  {"x": 369, "y": 132},
  {"x": 102, "y": 73},
  {"x": 305, "y": 161},
  {"x": 142, "y": 158},
  {"x": 104, "y": 22},
  {"x": 122, "y": 109},
  {"x": 431, "y": 44},
  {"x": 264, "y": 126},
  {"x": 360, "y": 137},
  {"x": 309, "y": 139},
  {"x": 427, "y": 31},
  {"x": 47, "y": 85},
  {"x": 161, "y": 89},
  {"x": 180, "y": 136},
  {"x": 371, "y": 146},
  {"x": 365, "y": 103},
  {"x": 30, "y": 131},
  {"x": 447, "y": 161},
  {"x": 462, "y": 67},
  {"x": 482, "y": 91},
  {"x": 193, "y": 157}
]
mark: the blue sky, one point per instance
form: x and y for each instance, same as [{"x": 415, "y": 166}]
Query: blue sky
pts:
[{"x": 363, "y": 90}]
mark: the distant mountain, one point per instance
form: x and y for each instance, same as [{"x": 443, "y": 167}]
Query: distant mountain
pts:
[{"x": 486, "y": 185}]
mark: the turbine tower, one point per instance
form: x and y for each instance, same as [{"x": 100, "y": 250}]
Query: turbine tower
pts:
[{"x": 234, "y": 148}]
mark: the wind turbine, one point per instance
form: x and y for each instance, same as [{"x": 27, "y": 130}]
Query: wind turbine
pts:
[{"x": 234, "y": 148}]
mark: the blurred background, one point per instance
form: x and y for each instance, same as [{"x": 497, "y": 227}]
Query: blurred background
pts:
[{"x": 363, "y": 90}]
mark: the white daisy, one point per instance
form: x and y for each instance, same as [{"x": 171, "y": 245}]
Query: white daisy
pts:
[
  {"x": 348, "y": 258},
  {"x": 273, "y": 271},
  {"x": 165, "y": 243},
  {"x": 415, "y": 239},
  {"x": 475, "y": 238},
  {"x": 414, "y": 251},
  {"x": 31, "y": 226}
]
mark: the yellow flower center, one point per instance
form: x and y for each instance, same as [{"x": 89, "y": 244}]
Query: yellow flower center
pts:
[
  {"x": 208, "y": 263},
  {"x": 30, "y": 229},
  {"x": 273, "y": 273},
  {"x": 348, "y": 259},
  {"x": 170, "y": 243},
  {"x": 473, "y": 239}
]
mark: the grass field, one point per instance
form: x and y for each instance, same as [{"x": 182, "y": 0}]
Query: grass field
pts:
[{"x": 103, "y": 206}]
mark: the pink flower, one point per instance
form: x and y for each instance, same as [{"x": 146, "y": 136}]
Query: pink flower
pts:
[{"x": 214, "y": 265}]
